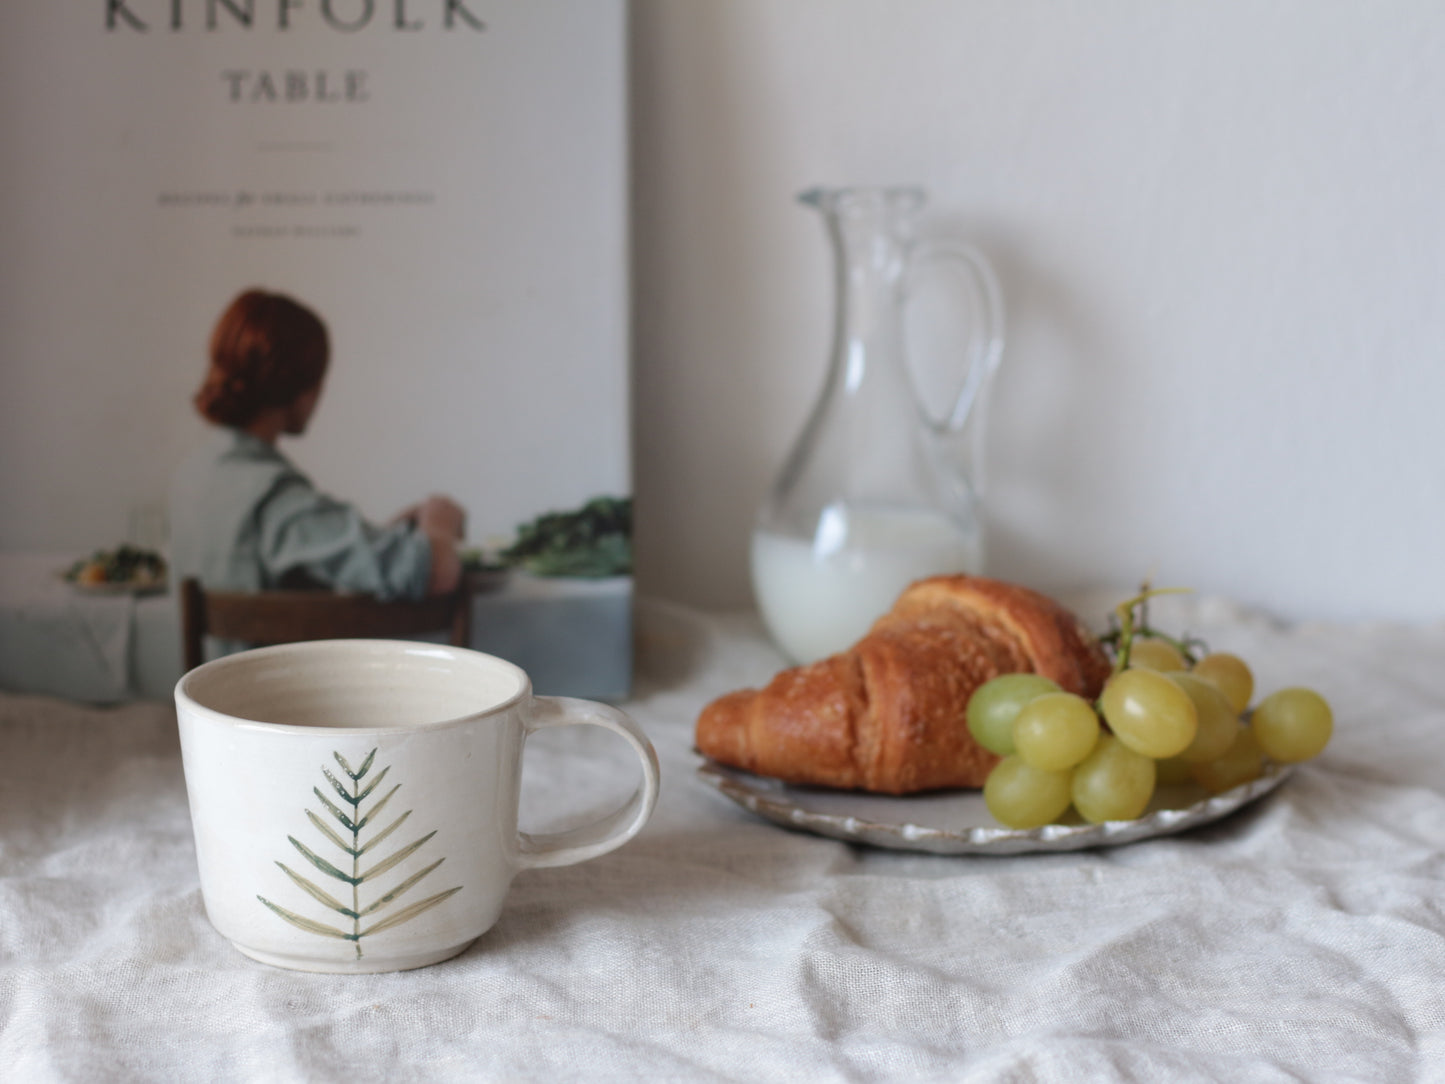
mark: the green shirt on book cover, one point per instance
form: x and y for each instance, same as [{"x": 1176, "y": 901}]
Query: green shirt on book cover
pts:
[{"x": 244, "y": 518}]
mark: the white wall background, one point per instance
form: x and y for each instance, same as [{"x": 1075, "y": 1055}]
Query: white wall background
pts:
[{"x": 1219, "y": 228}]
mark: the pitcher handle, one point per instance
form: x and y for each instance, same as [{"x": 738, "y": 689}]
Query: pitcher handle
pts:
[
  {"x": 987, "y": 333},
  {"x": 612, "y": 831}
]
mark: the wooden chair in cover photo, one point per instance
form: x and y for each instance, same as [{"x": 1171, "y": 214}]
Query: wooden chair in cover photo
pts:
[{"x": 261, "y": 618}]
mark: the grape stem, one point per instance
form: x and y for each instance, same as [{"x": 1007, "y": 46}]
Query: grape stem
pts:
[{"x": 1131, "y": 626}]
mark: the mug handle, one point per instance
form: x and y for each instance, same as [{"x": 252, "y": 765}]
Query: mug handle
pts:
[{"x": 612, "y": 831}]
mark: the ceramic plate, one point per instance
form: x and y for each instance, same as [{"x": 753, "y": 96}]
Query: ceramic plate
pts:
[{"x": 957, "y": 822}]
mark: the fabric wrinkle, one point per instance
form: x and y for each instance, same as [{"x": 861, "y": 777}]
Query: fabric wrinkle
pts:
[{"x": 1300, "y": 940}]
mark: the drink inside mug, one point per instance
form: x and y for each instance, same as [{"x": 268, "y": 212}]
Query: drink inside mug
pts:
[
  {"x": 354, "y": 802},
  {"x": 355, "y": 684}
]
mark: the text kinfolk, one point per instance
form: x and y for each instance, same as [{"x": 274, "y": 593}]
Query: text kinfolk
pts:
[{"x": 344, "y": 15}]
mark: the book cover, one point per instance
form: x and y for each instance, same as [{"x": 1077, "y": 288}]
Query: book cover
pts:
[{"x": 443, "y": 181}]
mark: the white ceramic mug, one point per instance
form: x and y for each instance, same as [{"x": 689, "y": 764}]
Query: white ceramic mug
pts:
[{"x": 355, "y": 801}]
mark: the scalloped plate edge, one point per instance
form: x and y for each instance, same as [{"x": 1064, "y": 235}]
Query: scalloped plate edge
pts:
[{"x": 768, "y": 799}]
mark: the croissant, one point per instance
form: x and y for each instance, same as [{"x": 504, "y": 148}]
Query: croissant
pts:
[{"x": 888, "y": 714}]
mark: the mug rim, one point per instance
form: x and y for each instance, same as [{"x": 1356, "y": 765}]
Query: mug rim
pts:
[{"x": 184, "y": 698}]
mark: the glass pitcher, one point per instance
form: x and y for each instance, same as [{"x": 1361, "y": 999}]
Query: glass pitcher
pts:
[{"x": 878, "y": 491}]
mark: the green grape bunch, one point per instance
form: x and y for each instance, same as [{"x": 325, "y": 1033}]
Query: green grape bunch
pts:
[{"x": 1171, "y": 712}]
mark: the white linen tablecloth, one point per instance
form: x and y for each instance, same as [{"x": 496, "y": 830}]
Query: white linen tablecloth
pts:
[
  {"x": 1301, "y": 939},
  {"x": 95, "y": 648}
]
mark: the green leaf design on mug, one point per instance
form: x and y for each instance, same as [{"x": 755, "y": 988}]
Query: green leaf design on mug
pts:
[{"x": 353, "y": 823}]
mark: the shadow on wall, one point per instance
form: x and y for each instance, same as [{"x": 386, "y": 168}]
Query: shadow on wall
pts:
[{"x": 701, "y": 327}]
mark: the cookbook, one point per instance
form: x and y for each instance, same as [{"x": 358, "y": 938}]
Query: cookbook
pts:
[{"x": 442, "y": 181}]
